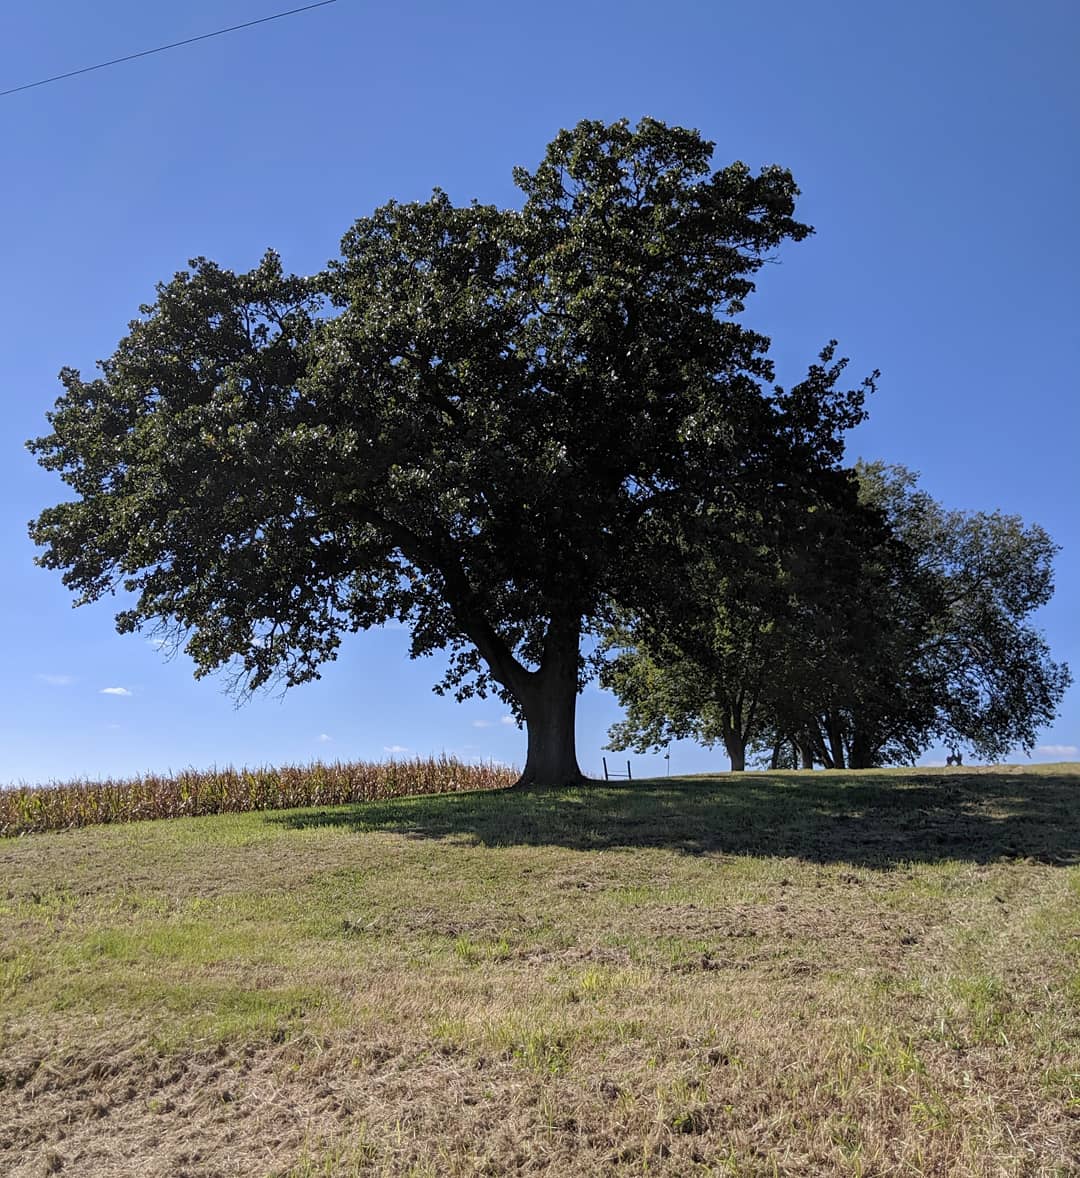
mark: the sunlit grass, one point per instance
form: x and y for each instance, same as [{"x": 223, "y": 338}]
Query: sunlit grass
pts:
[{"x": 770, "y": 974}]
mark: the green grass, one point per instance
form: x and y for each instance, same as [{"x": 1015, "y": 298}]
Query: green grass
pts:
[{"x": 795, "y": 974}]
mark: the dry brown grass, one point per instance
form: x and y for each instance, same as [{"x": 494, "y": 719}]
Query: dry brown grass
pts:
[{"x": 859, "y": 974}]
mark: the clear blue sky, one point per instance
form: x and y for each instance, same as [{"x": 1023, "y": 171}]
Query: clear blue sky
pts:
[{"x": 936, "y": 147}]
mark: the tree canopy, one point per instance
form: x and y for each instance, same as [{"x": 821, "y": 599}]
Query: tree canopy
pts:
[
  {"x": 887, "y": 624},
  {"x": 987, "y": 666},
  {"x": 491, "y": 424}
]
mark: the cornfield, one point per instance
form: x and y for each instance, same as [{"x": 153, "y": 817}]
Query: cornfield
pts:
[{"x": 31, "y": 809}]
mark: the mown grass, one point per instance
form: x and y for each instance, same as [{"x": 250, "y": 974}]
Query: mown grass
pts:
[
  {"x": 795, "y": 974},
  {"x": 195, "y": 793}
]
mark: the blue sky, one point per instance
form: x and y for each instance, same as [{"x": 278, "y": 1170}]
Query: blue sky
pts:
[{"x": 936, "y": 147}]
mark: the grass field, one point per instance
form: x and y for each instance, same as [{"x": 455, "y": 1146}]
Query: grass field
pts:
[{"x": 763, "y": 974}]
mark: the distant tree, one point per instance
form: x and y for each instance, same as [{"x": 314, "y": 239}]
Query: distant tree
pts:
[
  {"x": 702, "y": 661},
  {"x": 993, "y": 681},
  {"x": 891, "y": 623},
  {"x": 766, "y": 659},
  {"x": 862, "y": 612},
  {"x": 491, "y": 424}
]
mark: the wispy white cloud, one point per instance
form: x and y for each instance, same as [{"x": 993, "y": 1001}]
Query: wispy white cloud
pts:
[
  {"x": 394, "y": 748},
  {"x": 1058, "y": 750},
  {"x": 325, "y": 738},
  {"x": 481, "y": 723},
  {"x": 56, "y": 680},
  {"x": 507, "y": 720},
  {"x": 115, "y": 691}
]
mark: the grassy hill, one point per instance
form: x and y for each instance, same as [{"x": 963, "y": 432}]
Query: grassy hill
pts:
[{"x": 793, "y": 974}]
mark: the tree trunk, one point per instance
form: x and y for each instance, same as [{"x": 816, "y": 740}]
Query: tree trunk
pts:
[
  {"x": 548, "y": 698},
  {"x": 806, "y": 756},
  {"x": 816, "y": 748},
  {"x": 860, "y": 755},
  {"x": 834, "y": 732},
  {"x": 736, "y": 750}
]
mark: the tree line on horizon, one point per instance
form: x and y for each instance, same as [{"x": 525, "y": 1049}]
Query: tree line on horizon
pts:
[{"x": 513, "y": 430}]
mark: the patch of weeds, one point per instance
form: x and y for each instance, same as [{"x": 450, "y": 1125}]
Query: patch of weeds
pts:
[
  {"x": 682, "y": 1106},
  {"x": 348, "y": 1159},
  {"x": 190, "y": 943},
  {"x": 591, "y": 984},
  {"x": 196, "y": 1010},
  {"x": 543, "y": 1052},
  {"x": 467, "y": 951},
  {"x": 451, "y": 1031},
  {"x": 931, "y": 1111},
  {"x": 987, "y": 1006},
  {"x": 15, "y": 972},
  {"x": 594, "y": 982},
  {"x": 1064, "y": 1085},
  {"x": 885, "y": 1055},
  {"x": 1072, "y": 988},
  {"x": 242, "y": 1014},
  {"x": 617, "y": 1030},
  {"x": 681, "y": 954},
  {"x": 541, "y": 1049},
  {"x": 844, "y": 1133}
]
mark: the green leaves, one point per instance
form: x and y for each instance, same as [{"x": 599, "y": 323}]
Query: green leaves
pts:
[
  {"x": 489, "y": 423},
  {"x": 995, "y": 684},
  {"x": 867, "y": 631}
]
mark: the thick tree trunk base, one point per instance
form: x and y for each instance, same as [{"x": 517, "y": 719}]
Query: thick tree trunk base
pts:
[
  {"x": 547, "y": 698},
  {"x": 551, "y": 781},
  {"x": 552, "y": 755}
]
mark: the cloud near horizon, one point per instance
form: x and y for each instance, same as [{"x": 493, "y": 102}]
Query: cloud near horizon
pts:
[
  {"x": 394, "y": 748},
  {"x": 114, "y": 691},
  {"x": 1059, "y": 750},
  {"x": 56, "y": 680}
]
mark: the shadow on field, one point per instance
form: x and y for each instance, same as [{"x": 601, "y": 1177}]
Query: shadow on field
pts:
[{"x": 874, "y": 819}]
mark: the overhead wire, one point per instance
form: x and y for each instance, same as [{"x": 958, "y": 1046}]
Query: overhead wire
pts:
[{"x": 161, "y": 48}]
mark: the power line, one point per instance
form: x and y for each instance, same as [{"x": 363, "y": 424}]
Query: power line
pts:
[{"x": 161, "y": 48}]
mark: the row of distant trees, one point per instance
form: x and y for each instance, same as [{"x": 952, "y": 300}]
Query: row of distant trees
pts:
[
  {"x": 878, "y": 629},
  {"x": 515, "y": 429}
]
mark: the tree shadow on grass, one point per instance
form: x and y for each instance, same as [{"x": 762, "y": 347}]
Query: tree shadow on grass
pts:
[{"x": 874, "y": 820}]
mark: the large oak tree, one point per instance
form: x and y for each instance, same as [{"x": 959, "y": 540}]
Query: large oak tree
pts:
[{"x": 492, "y": 424}]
